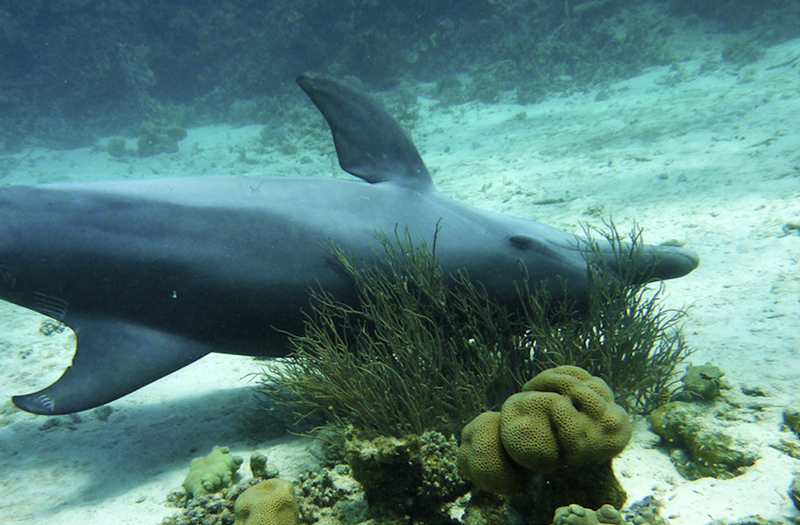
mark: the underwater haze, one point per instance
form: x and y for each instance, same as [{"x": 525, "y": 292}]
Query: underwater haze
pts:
[{"x": 676, "y": 116}]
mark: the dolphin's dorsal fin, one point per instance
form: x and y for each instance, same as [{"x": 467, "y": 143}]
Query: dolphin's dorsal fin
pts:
[
  {"x": 113, "y": 358},
  {"x": 369, "y": 142}
]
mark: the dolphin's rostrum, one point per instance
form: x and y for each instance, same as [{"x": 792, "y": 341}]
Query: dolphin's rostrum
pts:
[{"x": 154, "y": 274}]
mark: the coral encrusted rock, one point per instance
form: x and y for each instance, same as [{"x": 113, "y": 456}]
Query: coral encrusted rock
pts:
[
  {"x": 413, "y": 475},
  {"x": 700, "y": 444},
  {"x": 211, "y": 473},
  {"x": 577, "y": 515}
]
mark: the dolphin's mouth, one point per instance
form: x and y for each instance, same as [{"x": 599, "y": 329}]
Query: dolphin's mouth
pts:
[
  {"x": 643, "y": 263},
  {"x": 672, "y": 261}
]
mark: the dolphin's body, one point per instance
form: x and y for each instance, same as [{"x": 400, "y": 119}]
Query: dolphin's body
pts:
[{"x": 154, "y": 274}]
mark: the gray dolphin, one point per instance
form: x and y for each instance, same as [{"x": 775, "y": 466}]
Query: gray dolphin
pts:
[{"x": 154, "y": 274}]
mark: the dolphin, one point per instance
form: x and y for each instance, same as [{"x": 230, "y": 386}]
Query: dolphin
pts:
[{"x": 152, "y": 275}]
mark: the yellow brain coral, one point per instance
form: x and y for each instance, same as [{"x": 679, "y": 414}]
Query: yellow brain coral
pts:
[
  {"x": 482, "y": 458},
  {"x": 271, "y": 502},
  {"x": 563, "y": 416}
]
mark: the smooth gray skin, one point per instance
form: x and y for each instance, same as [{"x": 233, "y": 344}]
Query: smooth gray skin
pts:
[{"x": 154, "y": 274}]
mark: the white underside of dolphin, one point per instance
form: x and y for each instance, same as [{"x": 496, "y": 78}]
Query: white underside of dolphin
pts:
[{"x": 154, "y": 274}]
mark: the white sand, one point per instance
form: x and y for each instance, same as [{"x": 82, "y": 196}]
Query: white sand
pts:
[{"x": 712, "y": 161}]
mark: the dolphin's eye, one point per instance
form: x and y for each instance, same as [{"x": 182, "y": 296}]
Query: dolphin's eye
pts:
[
  {"x": 532, "y": 245},
  {"x": 522, "y": 242}
]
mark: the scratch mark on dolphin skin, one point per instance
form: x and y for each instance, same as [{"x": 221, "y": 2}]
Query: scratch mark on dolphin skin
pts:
[{"x": 51, "y": 305}]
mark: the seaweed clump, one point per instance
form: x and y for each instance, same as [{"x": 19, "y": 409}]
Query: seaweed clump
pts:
[{"x": 423, "y": 351}]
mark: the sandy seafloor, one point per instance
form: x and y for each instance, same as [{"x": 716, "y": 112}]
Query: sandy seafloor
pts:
[{"x": 708, "y": 157}]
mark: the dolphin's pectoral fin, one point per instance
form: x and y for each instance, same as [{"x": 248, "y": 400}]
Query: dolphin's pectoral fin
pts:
[
  {"x": 113, "y": 358},
  {"x": 370, "y": 143}
]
